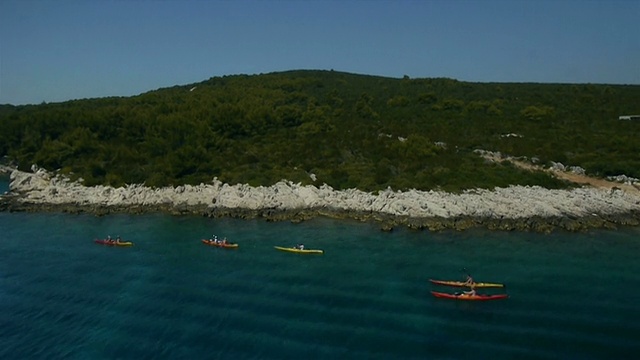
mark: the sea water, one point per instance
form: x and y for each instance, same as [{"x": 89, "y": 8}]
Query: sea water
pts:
[
  {"x": 4, "y": 183},
  {"x": 572, "y": 295}
]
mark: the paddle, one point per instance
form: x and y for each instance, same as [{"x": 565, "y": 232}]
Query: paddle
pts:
[
  {"x": 464, "y": 270},
  {"x": 504, "y": 286}
]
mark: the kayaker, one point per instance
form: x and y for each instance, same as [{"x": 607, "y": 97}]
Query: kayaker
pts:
[
  {"x": 471, "y": 292},
  {"x": 300, "y": 247},
  {"x": 469, "y": 281},
  {"x": 118, "y": 239}
]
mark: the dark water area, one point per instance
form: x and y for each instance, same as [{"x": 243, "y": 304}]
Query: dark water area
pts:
[
  {"x": 572, "y": 296},
  {"x": 4, "y": 183}
]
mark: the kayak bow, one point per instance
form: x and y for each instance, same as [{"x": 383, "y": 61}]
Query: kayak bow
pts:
[{"x": 463, "y": 284}]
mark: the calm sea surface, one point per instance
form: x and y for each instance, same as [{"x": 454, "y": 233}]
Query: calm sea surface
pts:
[{"x": 572, "y": 296}]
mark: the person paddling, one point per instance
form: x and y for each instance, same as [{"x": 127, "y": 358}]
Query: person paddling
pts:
[
  {"x": 469, "y": 281},
  {"x": 471, "y": 292}
]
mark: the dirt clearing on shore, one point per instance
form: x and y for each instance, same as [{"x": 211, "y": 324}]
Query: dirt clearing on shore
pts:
[{"x": 570, "y": 176}]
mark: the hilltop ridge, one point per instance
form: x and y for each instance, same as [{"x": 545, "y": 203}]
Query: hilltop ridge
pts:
[{"x": 319, "y": 127}]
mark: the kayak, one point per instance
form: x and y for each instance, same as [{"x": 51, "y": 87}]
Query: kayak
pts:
[
  {"x": 113, "y": 243},
  {"x": 304, "y": 251},
  {"x": 477, "y": 297},
  {"x": 463, "y": 284},
  {"x": 226, "y": 246}
]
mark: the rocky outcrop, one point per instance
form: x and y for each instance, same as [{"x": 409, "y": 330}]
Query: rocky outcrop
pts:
[
  {"x": 527, "y": 208},
  {"x": 5, "y": 169}
]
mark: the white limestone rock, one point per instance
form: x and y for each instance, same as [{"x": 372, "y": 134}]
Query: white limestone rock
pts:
[{"x": 513, "y": 202}]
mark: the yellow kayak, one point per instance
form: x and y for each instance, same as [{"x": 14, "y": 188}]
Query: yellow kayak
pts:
[
  {"x": 464, "y": 284},
  {"x": 294, "y": 250},
  {"x": 113, "y": 242}
]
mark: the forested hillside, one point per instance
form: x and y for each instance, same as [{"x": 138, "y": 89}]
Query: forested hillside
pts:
[{"x": 344, "y": 129}]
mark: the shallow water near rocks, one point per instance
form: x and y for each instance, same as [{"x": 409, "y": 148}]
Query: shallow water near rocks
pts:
[
  {"x": 4, "y": 183},
  {"x": 572, "y": 296}
]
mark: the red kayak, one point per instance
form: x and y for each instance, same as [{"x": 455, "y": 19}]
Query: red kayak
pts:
[
  {"x": 222, "y": 245},
  {"x": 477, "y": 297},
  {"x": 113, "y": 242}
]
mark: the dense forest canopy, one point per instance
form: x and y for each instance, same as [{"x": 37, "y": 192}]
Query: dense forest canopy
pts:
[{"x": 342, "y": 129}]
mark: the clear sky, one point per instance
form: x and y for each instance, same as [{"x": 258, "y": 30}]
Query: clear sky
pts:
[{"x": 60, "y": 50}]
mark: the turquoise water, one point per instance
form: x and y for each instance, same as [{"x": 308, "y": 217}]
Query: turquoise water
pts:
[{"x": 572, "y": 296}]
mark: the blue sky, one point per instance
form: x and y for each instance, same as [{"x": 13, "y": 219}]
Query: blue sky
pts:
[{"x": 60, "y": 50}]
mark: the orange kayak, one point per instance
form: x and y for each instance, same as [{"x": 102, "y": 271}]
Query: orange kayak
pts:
[
  {"x": 113, "y": 243},
  {"x": 225, "y": 245},
  {"x": 477, "y": 297}
]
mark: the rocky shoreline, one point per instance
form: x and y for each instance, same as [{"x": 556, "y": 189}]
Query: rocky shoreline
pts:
[{"x": 519, "y": 208}]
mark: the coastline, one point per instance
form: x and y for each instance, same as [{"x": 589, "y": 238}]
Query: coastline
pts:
[{"x": 515, "y": 208}]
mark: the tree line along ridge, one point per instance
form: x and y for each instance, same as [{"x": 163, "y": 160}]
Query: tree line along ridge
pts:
[{"x": 328, "y": 127}]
